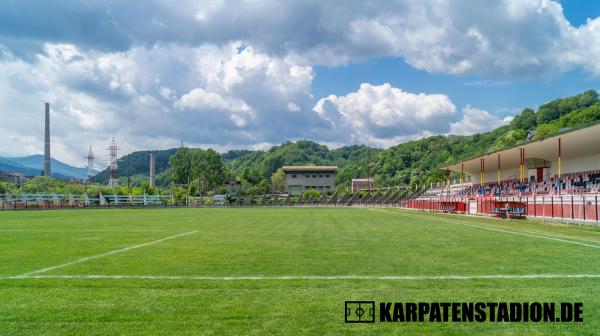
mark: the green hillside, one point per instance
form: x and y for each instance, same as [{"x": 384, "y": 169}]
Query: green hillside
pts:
[
  {"x": 417, "y": 161},
  {"x": 250, "y": 165},
  {"x": 262, "y": 164}
]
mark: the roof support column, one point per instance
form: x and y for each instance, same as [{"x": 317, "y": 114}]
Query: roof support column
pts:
[
  {"x": 482, "y": 172},
  {"x": 520, "y": 168},
  {"x": 522, "y": 165},
  {"x": 498, "y": 169}
]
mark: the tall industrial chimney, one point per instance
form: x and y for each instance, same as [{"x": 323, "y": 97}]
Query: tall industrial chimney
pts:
[
  {"x": 152, "y": 177},
  {"x": 47, "y": 170}
]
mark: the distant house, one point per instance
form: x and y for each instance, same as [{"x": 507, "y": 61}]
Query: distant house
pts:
[
  {"x": 73, "y": 180},
  {"x": 233, "y": 187},
  {"x": 301, "y": 178},
  {"x": 362, "y": 184},
  {"x": 16, "y": 178}
]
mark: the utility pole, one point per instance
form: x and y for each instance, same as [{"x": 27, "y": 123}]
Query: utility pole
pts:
[
  {"x": 152, "y": 175},
  {"x": 113, "y": 173},
  {"x": 90, "y": 166},
  {"x": 129, "y": 171},
  {"x": 369, "y": 169},
  {"x": 47, "y": 159},
  {"x": 187, "y": 200}
]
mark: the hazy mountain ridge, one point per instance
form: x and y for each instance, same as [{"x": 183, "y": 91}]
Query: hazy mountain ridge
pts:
[{"x": 34, "y": 164}]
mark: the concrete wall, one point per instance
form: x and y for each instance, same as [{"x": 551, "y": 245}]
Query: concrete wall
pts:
[{"x": 577, "y": 164}]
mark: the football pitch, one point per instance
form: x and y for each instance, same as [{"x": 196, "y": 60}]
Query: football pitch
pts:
[{"x": 284, "y": 271}]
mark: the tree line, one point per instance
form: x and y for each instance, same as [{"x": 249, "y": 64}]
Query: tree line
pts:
[{"x": 414, "y": 163}]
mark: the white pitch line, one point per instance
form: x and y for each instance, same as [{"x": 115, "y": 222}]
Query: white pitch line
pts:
[
  {"x": 525, "y": 233},
  {"x": 310, "y": 277},
  {"x": 43, "y": 270},
  {"x": 516, "y": 231}
]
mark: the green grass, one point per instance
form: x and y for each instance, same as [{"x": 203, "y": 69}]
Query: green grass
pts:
[{"x": 275, "y": 243}]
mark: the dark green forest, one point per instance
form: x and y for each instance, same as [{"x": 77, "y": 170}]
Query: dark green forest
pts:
[{"x": 413, "y": 162}]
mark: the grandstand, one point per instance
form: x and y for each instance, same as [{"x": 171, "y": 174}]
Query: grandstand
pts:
[{"x": 556, "y": 177}]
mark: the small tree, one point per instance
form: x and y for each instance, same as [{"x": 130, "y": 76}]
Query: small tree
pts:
[
  {"x": 40, "y": 184},
  {"x": 278, "y": 180},
  {"x": 311, "y": 193},
  {"x": 545, "y": 130}
]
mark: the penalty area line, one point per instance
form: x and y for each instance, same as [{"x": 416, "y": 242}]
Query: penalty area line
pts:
[
  {"x": 311, "y": 277},
  {"x": 51, "y": 268}
]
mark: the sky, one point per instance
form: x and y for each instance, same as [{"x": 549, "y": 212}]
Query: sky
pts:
[{"x": 230, "y": 74}]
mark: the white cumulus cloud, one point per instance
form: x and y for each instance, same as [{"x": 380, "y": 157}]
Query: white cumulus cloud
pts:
[
  {"x": 235, "y": 73},
  {"x": 151, "y": 97},
  {"x": 384, "y": 115},
  {"x": 475, "y": 120}
]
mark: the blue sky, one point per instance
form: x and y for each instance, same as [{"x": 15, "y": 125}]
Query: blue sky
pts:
[
  {"x": 578, "y": 11},
  {"x": 252, "y": 74},
  {"x": 498, "y": 95},
  {"x": 501, "y": 96}
]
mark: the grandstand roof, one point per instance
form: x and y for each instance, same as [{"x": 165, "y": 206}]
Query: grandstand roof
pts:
[
  {"x": 309, "y": 168},
  {"x": 576, "y": 142}
]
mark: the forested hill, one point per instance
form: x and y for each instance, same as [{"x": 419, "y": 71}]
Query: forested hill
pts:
[
  {"x": 411, "y": 162},
  {"x": 138, "y": 163},
  {"x": 262, "y": 164},
  {"x": 250, "y": 165},
  {"x": 416, "y": 161}
]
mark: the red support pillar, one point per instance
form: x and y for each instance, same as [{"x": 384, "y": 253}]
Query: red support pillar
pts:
[
  {"x": 596, "y": 206},
  {"x": 482, "y": 173},
  {"x": 520, "y": 168},
  {"x": 524, "y": 168},
  {"x": 498, "y": 169},
  {"x": 520, "y": 165},
  {"x": 523, "y": 165}
]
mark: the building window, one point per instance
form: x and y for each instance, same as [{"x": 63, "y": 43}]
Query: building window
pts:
[
  {"x": 314, "y": 175},
  {"x": 327, "y": 175},
  {"x": 294, "y": 175},
  {"x": 320, "y": 176},
  {"x": 307, "y": 176}
]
